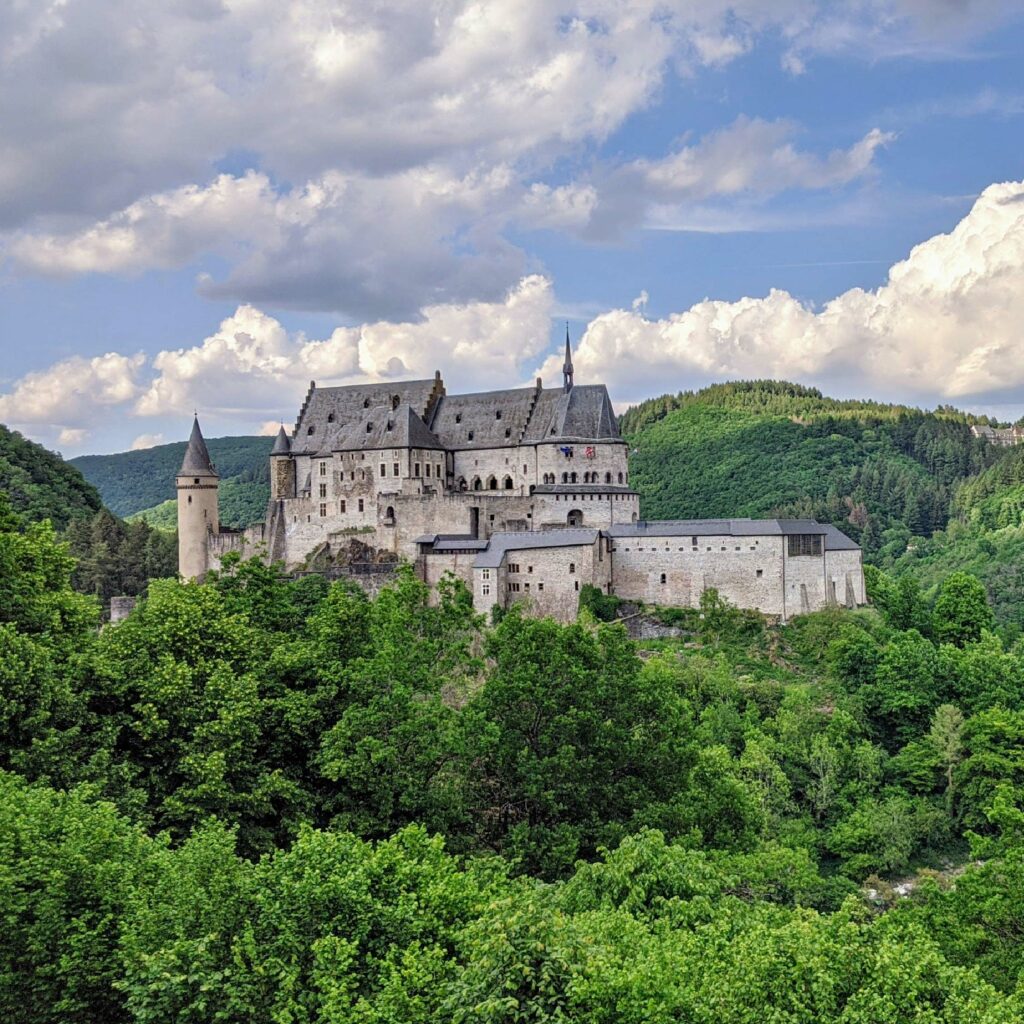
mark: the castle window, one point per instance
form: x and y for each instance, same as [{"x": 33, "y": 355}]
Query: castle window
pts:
[
  {"x": 366, "y": 403},
  {"x": 492, "y": 483},
  {"x": 572, "y": 477},
  {"x": 662, "y": 577},
  {"x": 804, "y": 544},
  {"x": 620, "y": 478},
  {"x": 351, "y": 474},
  {"x": 497, "y": 414},
  {"x": 196, "y": 480},
  {"x": 394, "y": 469},
  {"x": 476, "y": 483},
  {"x": 607, "y": 478},
  {"x": 369, "y": 428},
  {"x": 508, "y": 431},
  {"x": 383, "y": 469},
  {"x": 416, "y": 469},
  {"x": 323, "y": 509},
  {"x": 395, "y": 401},
  {"x": 526, "y": 586},
  {"x": 470, "y": 435},
  {"x": 572, "y": 568},
  {"x": 190, "y": 499},
  {"x": 310, "y": 430},
  {"x": 693, "y": 541},
  {"x": 487, "y": 574},
  {"x": 540, "y": 586},
  {"x": 576, "y": 584},
  {"x": 760, "y": 573},
  {"x": 342, "y": 506},
  {"x": 360, "y": 504},
  {"x": 323, "y": 469},
  {"x": 428, "y": 469},
  {"x": 565, "y": 478},
  {"x": 323, "y": 490},
  {"x": 390, "y": 425},
  {"x": 485, "y": 590},
  {"x": 508, "y": 483},
  {"x": 389, "y": 514},
  {"x": 458, "y": 417}
]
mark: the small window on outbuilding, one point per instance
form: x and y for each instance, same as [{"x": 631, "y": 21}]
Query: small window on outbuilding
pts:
[{"x": 663, "y": 578}]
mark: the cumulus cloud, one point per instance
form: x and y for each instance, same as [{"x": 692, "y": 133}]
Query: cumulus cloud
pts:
[
  {"x": 946, "y": 324},
  {"x": 73, "y": 392},
  {"x": 144, "y": 441},
  {"x": 72, "y": 435}
]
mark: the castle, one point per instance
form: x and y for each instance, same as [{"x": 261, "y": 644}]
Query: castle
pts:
[{"x": 524, "y": 494}]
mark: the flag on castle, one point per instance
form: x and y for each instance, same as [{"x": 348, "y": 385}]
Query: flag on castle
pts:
[
  {"x": 590, "y": 453},
  {"x": 566, "y": 450}
]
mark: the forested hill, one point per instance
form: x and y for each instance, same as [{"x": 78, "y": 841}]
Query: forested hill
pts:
[
  {"x": 40, "y": 484},
  {"x": 773, "y": 448},
  {"x": 131, "y": 482}
]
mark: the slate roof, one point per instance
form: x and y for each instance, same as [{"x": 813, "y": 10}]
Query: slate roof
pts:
[
  {"x": 335, "y": 418},
  {"x": 197, "y": 457},
  {"x": 331, "y": 411},
  {"x": 582, "y": 489},
  {"x": 716, "y": 528},
  {"x": 501, "y": 543},
  {"x": 836, "y": 540},
  {"x": 282, "y": 445}
]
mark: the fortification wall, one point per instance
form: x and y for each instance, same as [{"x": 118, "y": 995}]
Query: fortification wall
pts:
[
  {"x": 845, "y": 573},
  {"x": 746, "y": 571}
]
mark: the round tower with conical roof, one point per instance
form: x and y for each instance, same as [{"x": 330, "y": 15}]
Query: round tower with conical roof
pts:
[
  {"x": 282, "y": 467},
  {"x": 197, "y": 507}
]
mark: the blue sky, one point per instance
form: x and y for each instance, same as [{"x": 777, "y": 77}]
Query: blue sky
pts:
[{"x": 208, "y": 206}]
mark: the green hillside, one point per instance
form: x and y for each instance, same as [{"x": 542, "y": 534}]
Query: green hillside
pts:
[
  {"x": 131, "y": 482},
  {"x": 40, "y": 485},
  {"x": 241, "y": 503},
  {"x": 771, "y": 448}
]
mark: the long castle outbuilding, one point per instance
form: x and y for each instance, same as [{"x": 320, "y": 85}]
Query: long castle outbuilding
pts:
[{"x": 524, "y": 494}]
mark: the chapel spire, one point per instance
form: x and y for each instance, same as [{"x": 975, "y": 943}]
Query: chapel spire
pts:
[{"x": 567, "y": 365}]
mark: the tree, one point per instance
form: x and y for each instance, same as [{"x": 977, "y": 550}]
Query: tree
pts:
[
  {"x": 946, "y": 738},
  {"x": 961, "y": 610}
]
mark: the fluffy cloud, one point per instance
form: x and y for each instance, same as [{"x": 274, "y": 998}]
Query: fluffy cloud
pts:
[
  {"x": 946, "y": 324},
  {"x": 144, "y": 441},
  {"x": 73, "y": 392},
  {"x": 252, "y": 365}
]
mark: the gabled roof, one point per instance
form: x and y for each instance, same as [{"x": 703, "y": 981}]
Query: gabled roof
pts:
[
  {"x": 501, "y": 543},
  {"x": 583, "y": 413},
  {"x": 197, "y": 457},
  {"x": 383, "y": 427},
  {"x": 485, "y": 419}
]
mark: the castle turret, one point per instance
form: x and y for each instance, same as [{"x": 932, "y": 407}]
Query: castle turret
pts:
[
  {"x": 197, "y": 507},
  {"x": 567, "y": 365},
  {"x": 282, "y": 467}
]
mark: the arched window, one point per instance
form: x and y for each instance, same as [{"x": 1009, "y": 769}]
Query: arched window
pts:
[
  {"x": 476, "y": 483},
  {"x": 462, "y": 483},
  {"x": 620, "y": 478},
  {"x": 572, "y": 478},
  {"x": 607, "y": 478},
  {"x": 492, "y": 483},
  {"x": 330, "y": 417},
  {"x": 310, "y": 430},
  {"x": 366, "y": 403},
  {"x": 507, "y": 483},
  {"x": 574, "y": 518},
  {"x": 395, "y": 401},
  {"x": 565, "y": 478},
  {"x": 389, "y": 514}
]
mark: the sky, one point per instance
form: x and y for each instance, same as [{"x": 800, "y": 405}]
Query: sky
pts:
[{"x": 205, "y": 204}]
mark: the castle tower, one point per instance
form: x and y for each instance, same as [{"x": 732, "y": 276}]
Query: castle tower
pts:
[
  {"x": 567, "y": 365},
  {"x": 282, "y": 467},
  {"x": 197, "y": 506}
]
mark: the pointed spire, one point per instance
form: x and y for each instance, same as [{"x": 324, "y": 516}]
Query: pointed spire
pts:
[
  {"x": 282, "y": 446},
  {"x": 567, "y": 365},
  {"x": 197, "y": 458}
]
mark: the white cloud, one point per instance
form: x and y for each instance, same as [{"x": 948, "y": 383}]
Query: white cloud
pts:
[
  {"x": 72, "y": 393},
  {"x": 72, "y": 435},
  {"x": 269, "y": 428},
  {"x": 946, "y": 324},
  {"x": 146, "y": 441},
  {"x": 252, "y": 364}
]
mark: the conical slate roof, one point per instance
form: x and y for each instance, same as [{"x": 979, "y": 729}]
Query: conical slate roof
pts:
[
  {"x": 282, "y": 446},
  {"x": 197, "y": 458}
]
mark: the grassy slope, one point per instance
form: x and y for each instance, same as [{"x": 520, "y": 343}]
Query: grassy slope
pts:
[{"x": 131, "y": 482}]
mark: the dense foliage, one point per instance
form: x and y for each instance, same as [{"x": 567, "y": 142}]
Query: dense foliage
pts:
[
  {"x": 880, "y": 472},
  {"x": 40, "y": 485},
  {"x": 260, "y": 799},
  {"x": 240, "y": 502},
  {"x": 130, "y": 482}
]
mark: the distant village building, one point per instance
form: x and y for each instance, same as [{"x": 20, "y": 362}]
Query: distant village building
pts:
[
  {"x": 524, "y": 494},
  {"x": 1003, "y": 436}
]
